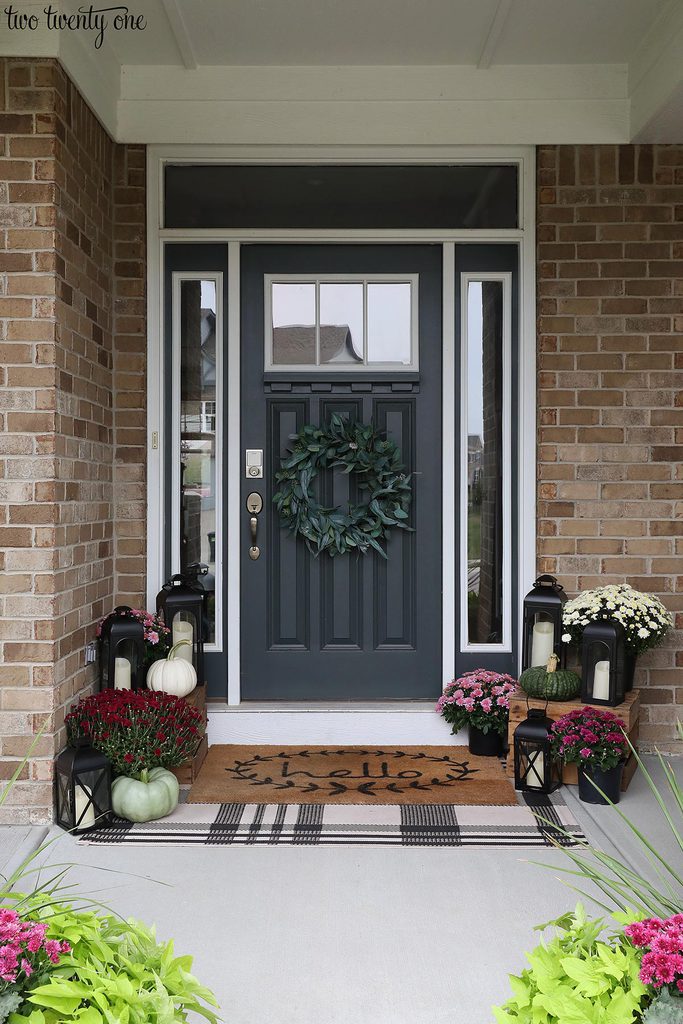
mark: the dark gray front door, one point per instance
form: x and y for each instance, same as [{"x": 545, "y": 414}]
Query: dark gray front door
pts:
[{"x": 353, "y": 627}]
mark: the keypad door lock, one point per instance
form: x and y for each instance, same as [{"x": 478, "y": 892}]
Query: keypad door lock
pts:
[{"x": 254, "y": 463}]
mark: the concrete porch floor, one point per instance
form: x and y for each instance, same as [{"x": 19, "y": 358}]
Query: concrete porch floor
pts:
[{"x": 346, "y": 935}]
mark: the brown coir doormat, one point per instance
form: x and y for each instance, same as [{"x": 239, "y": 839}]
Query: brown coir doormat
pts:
[{"x": 350, "y": 775}]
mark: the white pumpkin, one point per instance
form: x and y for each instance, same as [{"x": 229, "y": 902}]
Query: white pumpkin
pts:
[{"x": 172, "y": 675}]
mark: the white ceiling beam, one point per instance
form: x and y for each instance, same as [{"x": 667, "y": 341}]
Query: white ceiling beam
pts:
[
  {"x": 584, "y": 82},
  {"x": 496, "y": 28},
  {"x": 655, "y": 80},
  {"x": 180, "y": 34},
  {"x": 368, "y": 122}
]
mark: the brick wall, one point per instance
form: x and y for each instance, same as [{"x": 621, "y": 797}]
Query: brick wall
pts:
[
  {"x": 70, "y": 383},
  {"x": 610, "y": 379},
  {"x": 130, "y": 334}
]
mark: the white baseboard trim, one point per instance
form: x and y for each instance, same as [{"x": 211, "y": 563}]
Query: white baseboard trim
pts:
[{"x": 376, "y": 723}]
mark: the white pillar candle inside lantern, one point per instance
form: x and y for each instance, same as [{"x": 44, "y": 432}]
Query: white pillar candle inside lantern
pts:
[
  {"x": 83, "y": 796},
  {"x": 182, "y": 630},
  {"x": 121, "y": 674},
  {"x": 601, "y": 681},
  {"x": 542, "y": 644},
  {"x": 536, "y": 772}
]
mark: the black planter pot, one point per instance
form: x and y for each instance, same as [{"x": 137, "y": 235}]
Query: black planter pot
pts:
[
  {"x": 485, "y": 744},
  {"x": 609, "y": 782}
]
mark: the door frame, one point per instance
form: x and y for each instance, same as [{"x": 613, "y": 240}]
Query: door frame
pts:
[{"x": 524, "y": 157}]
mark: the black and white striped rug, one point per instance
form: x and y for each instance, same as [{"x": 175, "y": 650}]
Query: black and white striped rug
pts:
[{"x": 329, "y": 825}]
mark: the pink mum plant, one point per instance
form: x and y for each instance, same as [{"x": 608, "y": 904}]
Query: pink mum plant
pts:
[{"x": 480, "y": 698}]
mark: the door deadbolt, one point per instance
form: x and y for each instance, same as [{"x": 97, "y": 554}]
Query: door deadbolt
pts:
[{"x": 254, "y": 503}]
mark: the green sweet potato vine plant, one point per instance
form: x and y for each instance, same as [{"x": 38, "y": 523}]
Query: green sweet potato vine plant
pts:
[
  {"x": 117, "y": 972},
  {"x": 576, "y": 977}
]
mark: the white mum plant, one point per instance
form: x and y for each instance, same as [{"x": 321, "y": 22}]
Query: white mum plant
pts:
[{"x": 644, "y": 618}]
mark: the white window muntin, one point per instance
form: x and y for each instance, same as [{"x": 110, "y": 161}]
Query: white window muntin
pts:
[
  {"x": 505, "y": 646},
  {"x": 359, "y": 369},
  {"x": 216, "y": 278}
]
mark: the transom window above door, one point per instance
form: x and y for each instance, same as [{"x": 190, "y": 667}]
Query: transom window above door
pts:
[{"x": 328, "y": 323}]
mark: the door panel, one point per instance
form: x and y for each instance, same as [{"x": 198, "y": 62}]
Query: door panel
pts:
[{"x": 353, "y": 626}]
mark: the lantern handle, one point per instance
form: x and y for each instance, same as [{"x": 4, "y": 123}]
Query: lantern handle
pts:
[
  {"x": 546, "y": 580},
  {"x": 170, "y": 583},
  {"x": 528, "y": 709},
  {"x": 122, "y": 608}
]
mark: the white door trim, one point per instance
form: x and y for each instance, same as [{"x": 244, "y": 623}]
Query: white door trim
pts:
[{"x": 157, "y": 156}]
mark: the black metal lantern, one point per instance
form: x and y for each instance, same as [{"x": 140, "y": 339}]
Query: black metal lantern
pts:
[
  {"x": 542, "y": 634},
  {"x": 83, "y": 787},
  {"x": 180, "y": 603},
  {"x": 536, "y": 770},
  {"x": 122, "y": 652},
  {"x": 603, "y": 664}
]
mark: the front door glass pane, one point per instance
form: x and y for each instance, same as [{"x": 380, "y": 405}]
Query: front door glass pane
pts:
[
  {"x": 484, "y": 362},
  {"x": 389, "y": 322},
  {"x": 198, "y": 527},
  {"x": 294, "y": 324},
  {"x": 341, "y": 323}
]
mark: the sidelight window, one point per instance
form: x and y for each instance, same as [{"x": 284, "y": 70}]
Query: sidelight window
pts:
[
  {"x": 353, "y": 324},
  {"x": 196, "y": 469},
  {"x": 485, "y": 527}
]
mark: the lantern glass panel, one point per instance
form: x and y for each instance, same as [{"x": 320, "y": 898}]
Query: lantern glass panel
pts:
[
  {"x": 185, "y": 626},
  {"x": 542, "y": 638},
  {"x": 532, "y": 765},
  {"x": 598, "y": 665},
  {"x": 90, "y": 797},
  {"x": 65, "y": 809},
  {"x": 127, "y": 661}
]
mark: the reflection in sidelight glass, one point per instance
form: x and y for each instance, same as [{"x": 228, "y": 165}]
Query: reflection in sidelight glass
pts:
[
  {"x": 389, "y": 322},
  {"x": 198, "y": 526},
  {"x": 294, "y": 324},
  {"x": 484, "y": 343},
  {"x": 341, "y": 323}
]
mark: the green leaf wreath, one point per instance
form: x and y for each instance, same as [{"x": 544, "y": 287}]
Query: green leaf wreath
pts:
[{"x": 355, "y": 448}]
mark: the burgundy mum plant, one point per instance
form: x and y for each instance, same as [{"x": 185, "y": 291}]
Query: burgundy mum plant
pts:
[
  {"x": 479, "y": 698},
  {"x": 137, "y": 729},
  {"x": 590, "y": 736}
]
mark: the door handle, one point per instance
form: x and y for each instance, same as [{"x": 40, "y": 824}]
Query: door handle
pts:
[{"x": 254, "y": 506}]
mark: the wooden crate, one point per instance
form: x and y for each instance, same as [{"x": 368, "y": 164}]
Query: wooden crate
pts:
[
  {"x": 186, "y": 773},
  {"x": 629, "y": 712},
  {"x": 197, "y": 699}
]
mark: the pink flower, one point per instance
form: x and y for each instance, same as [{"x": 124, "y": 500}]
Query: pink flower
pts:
[
  {"x": 486, "y": 705},
  {"x": 53, "y": 949},
  {"x": 585, "y": 752},
  {"x": 153, "y": 637}
]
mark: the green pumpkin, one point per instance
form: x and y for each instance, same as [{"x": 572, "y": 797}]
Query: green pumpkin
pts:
[
  {"x": 154, "y": 795},
  {"x": 546, "y": 683}
]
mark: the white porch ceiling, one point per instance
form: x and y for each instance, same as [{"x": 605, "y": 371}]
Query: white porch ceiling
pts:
[{"x": 383, "y": 72}]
